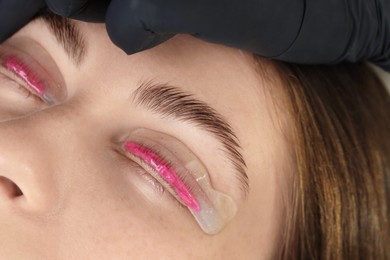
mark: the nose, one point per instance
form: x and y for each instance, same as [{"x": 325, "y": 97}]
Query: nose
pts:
[{"x": 36, "y": 154}]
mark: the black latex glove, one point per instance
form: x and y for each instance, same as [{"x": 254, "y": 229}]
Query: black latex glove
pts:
[
  {"x": 14, "y": 14},
  {"x": 135, "y": 25},
  {"x": 302, "y": 31},
  {"x": 315, "y": 31}
]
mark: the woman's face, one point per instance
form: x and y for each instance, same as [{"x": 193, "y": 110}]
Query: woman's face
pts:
[{"x": 81, "y": 194}]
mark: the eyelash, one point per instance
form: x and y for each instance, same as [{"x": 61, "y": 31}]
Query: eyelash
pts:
[
  {"x": 156, "y": 185},
  {"x": 21, "y": 85},
  {"x": 152, "y": 181}
]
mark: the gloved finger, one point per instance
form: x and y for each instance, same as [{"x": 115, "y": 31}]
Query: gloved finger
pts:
[
  {"x": 253, "y": 25},
  {"x": 85, "y": 10},
  {"x": 14, "y": 14},
  {"x": 138, "y": 25}
]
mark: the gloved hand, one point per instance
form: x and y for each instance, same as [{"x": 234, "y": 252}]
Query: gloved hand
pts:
[
  {"x": 14, "y": 14},
  {"x": 261, "y": 26},
  {"x": 301, "y": 31},
  {"x": 320, "y": 31},
  {"x": 137, "y": 25}
]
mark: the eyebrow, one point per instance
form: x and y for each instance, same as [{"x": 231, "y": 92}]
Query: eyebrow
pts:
[
  {"x": 67, "y": 34},
  {"x": 170, "y": 101}
]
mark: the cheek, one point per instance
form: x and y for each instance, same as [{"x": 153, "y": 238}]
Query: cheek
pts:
[
  {"x": 133, "y": 234},
  {"x": 111, "y": 216}
]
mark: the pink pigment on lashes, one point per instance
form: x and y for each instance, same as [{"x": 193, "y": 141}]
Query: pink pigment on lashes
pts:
[
  {"x": 16, "y": 66},
  {"x": 166, "y": 172}
]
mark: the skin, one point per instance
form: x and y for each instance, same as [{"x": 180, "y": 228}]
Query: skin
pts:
[{"x": 81, "y": 200}]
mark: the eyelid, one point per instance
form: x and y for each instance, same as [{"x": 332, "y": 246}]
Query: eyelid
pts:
[
  {"x": 33, "y": 68},
  {"x": 185, "y": 178},
  {"x": 22, "y": 87}
]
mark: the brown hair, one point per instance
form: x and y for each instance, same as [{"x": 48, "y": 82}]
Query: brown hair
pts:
[{"x": 339, "y": 206}]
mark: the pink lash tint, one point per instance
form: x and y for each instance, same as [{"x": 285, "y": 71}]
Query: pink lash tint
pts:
[
  {"x": 165, "y": 171},
  {"x": 20, "y": 69}
]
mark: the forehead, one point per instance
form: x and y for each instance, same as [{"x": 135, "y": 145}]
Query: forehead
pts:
[{"x": 224, "y": 77}]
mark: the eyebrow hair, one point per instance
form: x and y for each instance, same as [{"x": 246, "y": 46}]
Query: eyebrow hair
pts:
[
  {"x": 67, "y": 34},
  {"x": 172, "y": 102}
]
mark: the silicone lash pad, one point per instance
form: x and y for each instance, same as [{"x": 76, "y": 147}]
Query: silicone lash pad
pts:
[
  {"x": 186, "y": 179},
  {"x": 32, "y": 74}
]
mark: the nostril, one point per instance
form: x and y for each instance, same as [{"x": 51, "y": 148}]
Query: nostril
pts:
[{"x": 9, "y": 188}]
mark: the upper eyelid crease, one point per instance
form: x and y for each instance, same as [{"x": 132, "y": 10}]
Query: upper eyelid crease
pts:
[{"x": 170, "y": 101}]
